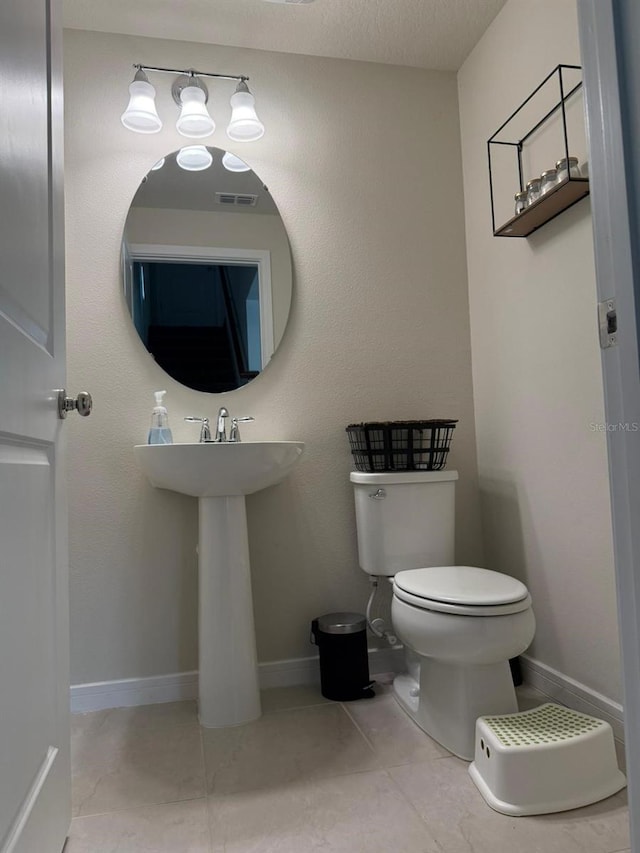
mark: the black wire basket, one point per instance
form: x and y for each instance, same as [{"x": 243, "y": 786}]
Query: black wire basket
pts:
[{"x": 401, "y": 445}]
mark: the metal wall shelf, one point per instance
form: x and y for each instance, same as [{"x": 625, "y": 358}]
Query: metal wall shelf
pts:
[{"x": 560, "y": 197}]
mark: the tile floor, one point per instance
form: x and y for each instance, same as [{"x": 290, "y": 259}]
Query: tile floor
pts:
[{"x": 309, "y": 775}]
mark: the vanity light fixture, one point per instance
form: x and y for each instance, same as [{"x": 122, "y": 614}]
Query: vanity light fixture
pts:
[
  {"x": 141, "y": 114},
  {"x": 191, "y": 95},
  {"x": 245, "y": 126},
  {"x": 194, "y": 119}
]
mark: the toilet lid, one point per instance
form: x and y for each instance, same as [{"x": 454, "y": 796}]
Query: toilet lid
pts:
[{"x": 466, "y": 585}]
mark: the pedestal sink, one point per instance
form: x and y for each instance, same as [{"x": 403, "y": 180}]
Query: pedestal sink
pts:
[{"x": 220, "y": 475}]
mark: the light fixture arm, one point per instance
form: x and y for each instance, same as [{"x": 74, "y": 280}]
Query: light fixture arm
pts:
[{"x": 190, "y": 72}]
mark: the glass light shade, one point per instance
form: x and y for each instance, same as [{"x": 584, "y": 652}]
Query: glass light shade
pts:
[
  {"x": 158, "y": 165},
  {"x": 233, "y": 163},
  {"x": 194, "y": 158},
  {"x": 245, "y": 126},
  {"x": 194, "y": 119},
  {"x": 141, "y": 115}
]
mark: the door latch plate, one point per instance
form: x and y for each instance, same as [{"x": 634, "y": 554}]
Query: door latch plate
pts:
[{"x": 608, "y": 323}]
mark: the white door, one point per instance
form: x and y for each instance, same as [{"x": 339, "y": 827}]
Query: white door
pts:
[{"x": 34, "y": 679}]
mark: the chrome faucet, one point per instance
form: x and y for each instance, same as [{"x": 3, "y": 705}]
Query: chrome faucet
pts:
[
  {"x": 221, "y": 432},
  {"x": 205, "y": 430}
]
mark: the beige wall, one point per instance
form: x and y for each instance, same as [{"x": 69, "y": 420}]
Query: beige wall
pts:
[
  {"x": 536, "y": 370},
  {"x": 164, "y": 227},
  {"x": 363, "y": 162}
]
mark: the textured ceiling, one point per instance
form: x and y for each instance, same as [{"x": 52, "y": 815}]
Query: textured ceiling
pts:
[{"x": 436, "y": 34}]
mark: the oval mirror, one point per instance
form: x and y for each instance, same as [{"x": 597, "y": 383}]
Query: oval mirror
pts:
[{"x": 206, "y": 269}]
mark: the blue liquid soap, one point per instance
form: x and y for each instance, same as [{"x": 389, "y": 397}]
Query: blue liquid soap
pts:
[{"x": 159, "y": 433}]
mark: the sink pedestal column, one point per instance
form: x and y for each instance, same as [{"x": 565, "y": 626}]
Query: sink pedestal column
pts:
[{"x": 228, "y": 685}]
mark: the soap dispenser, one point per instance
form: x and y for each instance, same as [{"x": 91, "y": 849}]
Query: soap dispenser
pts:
[{"x": 159, "y": 433}]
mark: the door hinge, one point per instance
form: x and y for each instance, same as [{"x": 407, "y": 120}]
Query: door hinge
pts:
[{"x": 608, "y": 323}]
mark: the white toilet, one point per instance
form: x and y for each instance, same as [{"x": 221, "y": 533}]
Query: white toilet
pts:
[{"x": 460, "y": 625}]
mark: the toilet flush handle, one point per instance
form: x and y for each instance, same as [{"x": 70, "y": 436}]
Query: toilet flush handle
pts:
[{"x": 378, "y": 495}]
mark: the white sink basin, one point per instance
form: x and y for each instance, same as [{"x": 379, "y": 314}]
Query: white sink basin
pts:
[
  {"x": 218, "y": 470},
  {"x": 220, "y": 475}
]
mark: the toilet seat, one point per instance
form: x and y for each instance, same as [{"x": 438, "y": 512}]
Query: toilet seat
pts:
[{"x": 462, "y": 590}]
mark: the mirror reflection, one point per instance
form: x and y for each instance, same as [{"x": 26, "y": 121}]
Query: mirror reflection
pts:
[{"x": 207, "y": 269}]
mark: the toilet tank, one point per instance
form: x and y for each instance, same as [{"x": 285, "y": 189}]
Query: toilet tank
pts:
[{"x": 405, "y": 519}]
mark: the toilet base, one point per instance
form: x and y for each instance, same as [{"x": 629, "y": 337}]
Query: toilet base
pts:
[{"x": 448, "y": 699}]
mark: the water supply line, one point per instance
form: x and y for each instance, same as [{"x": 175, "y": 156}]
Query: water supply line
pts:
[{"x": 377, "y": 625}]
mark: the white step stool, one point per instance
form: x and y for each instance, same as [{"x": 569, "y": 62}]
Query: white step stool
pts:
[{"x": 545, "y": 760}]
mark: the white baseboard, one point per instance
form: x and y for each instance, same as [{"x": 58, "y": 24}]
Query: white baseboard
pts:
[
  {"x": 130, "y": 692},
  {"x": 573, "y": 694}
]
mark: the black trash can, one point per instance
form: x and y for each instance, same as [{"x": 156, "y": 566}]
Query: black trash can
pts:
[{"x": 344, "y": 665}]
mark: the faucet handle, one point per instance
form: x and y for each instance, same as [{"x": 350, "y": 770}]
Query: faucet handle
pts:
[
  {"x": 234, "y": 435},
  {"x": 205, "y": 431}
]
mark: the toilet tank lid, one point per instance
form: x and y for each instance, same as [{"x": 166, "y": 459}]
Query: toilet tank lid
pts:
[
  {"x": 389, "y": 477},
  {"x": 461, "y": 585}
]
